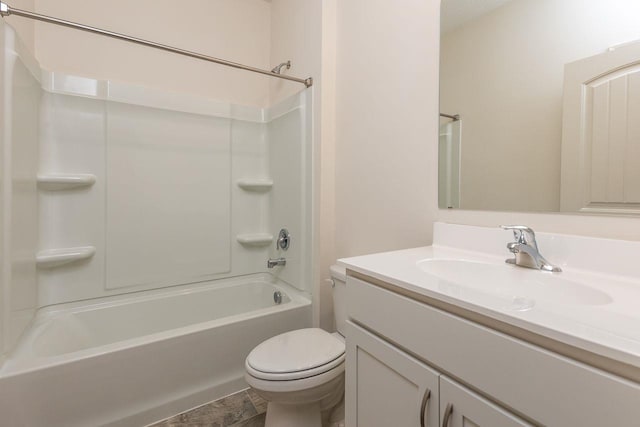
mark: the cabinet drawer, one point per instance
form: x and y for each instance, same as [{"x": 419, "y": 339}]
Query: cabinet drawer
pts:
[{"x": 547, "y": 387}]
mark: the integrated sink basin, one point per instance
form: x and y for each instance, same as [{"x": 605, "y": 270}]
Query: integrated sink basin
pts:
[
  {"x": 591, "y": 305},
  {"x": 523, "y": 286}
]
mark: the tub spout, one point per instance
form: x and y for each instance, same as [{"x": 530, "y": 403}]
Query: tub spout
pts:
[{"x": 278, "y": 261}]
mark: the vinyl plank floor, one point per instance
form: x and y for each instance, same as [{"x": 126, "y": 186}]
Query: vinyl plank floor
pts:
[{"x": 243, "y": 409}]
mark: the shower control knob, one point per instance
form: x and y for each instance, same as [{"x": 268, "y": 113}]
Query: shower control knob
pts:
[{"x": 284, "y": 239}]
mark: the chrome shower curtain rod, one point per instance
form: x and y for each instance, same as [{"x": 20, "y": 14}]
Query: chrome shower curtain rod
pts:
[
  {"x": 454, "y": 117},
  {"x": 6, "y": 10}
]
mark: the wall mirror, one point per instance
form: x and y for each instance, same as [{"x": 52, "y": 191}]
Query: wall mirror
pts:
[{"x": 540, "y": 106}]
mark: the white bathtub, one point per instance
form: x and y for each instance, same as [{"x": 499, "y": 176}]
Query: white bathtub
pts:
[{"x": 134, "y": 359}]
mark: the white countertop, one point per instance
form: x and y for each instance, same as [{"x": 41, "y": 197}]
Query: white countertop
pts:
[{"x": 606, "y": 321}]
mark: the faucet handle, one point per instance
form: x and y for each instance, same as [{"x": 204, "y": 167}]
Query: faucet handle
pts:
[{"x": 522, "y": 234}]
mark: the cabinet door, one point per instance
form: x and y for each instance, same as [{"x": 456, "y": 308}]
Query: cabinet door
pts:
[
  {"x": 385, "y": 386},
  {"x": 460, "y": 407}
]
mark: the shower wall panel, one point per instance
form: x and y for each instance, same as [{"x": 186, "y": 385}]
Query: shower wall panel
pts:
[
  {"x": 166, "y": 206},
  {"x": 250, "y": 209},
  {"x": 290, "y": 164},
  {"x": 168, "y": 184},
  {"x": 72, "y": 141},
  {"x": 19, "y": 101}
]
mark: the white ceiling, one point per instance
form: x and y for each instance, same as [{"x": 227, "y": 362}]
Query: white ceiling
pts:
[{"x": 458, "y": 12}]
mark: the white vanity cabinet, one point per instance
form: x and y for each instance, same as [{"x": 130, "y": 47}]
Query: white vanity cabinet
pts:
[
  {"x": 388, "y": 387},
  {"x": 399, "y": 347}
]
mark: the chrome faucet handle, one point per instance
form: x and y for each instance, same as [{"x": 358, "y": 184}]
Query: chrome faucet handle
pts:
[
  {"x": 284, "y": 240},
  {"x": 525, "y": 249},
  {"x": 522, "y": 234}
]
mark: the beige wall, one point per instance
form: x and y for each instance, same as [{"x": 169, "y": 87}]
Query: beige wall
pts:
[
  {"x": 503, "y": 73},
  {"x": 386, "y": 127},
  {"x": 4, "y": 197},
  {"x": 325, "y": 164},
  {"x": 234, "y": 30},
  {"x": 296, "y": 35}
]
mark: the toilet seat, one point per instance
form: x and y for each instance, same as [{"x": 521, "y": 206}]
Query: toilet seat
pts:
[
  {"x": 304, "y": 389},
  {"x": 298, "y": 375},
  {"x": 296, "y": 355}
]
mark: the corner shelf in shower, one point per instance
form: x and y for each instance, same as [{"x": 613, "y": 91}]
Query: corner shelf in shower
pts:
[
  {"x": 255, "y": 184},
  {"x": 57, "y": 257},
  {"x": 255, "y": 239},
  {"x": 56, "y": 182}
]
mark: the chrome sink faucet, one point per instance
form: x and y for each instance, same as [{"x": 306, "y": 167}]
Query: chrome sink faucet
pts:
[{"x": 525, "y": 249}]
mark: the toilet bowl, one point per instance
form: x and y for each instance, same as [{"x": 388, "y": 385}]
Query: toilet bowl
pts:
[{"x": 301, "y": 373}]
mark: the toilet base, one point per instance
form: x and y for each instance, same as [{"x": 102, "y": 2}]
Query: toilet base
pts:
[
  {"x": 284, "y": 415},
  {"x": 314, "y": 407},
  {"x": 336, "y": 415}
]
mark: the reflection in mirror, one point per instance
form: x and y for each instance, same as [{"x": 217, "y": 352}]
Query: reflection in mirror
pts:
[{"x": 540, "y": 105}]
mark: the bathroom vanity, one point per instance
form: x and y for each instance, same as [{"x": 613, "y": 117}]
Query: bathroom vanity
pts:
[{"x": 450, "y": 335}]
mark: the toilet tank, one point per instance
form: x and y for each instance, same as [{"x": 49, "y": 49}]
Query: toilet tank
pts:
[{"x": 339, "y": 277}]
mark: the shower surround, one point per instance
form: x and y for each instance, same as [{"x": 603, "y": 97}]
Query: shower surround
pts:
[{"x": 120, "y": 202}]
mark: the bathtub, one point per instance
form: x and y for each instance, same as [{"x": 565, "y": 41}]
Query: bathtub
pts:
[{"x": 134, "y": 359}]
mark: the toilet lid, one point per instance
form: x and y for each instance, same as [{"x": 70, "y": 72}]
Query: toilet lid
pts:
[{"x": 296, "y": 351}]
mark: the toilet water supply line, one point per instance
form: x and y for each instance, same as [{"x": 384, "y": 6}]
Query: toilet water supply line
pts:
[{"x": 6, "y": 10}]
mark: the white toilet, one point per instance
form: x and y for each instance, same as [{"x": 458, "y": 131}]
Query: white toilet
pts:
[{"x": 301, "y": 373}]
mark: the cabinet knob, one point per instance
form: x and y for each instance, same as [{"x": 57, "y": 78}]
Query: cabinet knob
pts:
[
  {"x": 447, "y": 414},
  {"x": 423, "y": 407}
]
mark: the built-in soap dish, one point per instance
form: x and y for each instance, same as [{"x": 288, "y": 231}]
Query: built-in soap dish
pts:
[
  {"x": 255, "y": 239},
  {"x": 57, "y": 257},
  {"x": 255, "y": 184},
  {"x": 57, "y": 182}
]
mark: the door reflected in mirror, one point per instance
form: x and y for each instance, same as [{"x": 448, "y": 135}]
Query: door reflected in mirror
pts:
[{"x": 540, "y": 106}]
